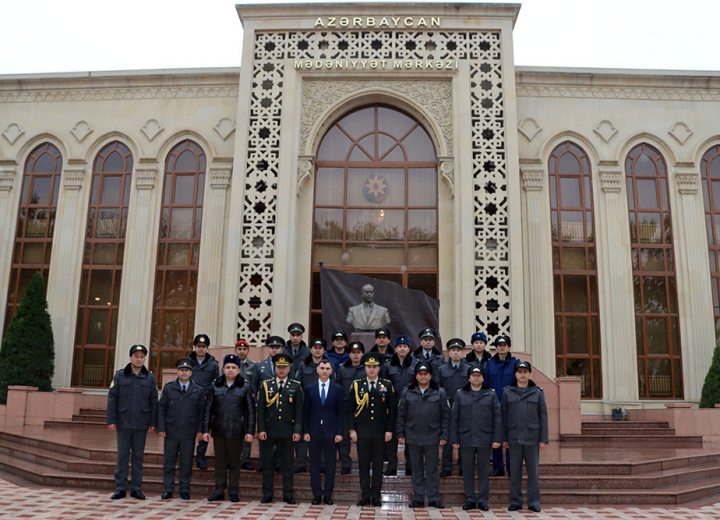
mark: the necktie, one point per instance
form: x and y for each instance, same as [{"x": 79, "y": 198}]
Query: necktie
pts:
[
  {"x": 294, "y": 352},
  {"x": 281, "y": 385},
  {"x": 322, "y": 394},
  {"x": 427, "y": 355},
  {"x": 372, "y": 386},
  {"x": 184, "y": 388}
]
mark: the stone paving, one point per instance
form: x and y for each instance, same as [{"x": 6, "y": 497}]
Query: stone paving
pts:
[{"x": 64, "y": 504}]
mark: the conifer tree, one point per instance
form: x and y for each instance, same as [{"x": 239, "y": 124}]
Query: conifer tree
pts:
[
  {"x": 711, "y": 388},
  {"x": 27, "y": 356}
]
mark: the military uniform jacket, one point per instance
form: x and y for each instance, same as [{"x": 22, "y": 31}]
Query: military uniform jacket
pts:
[
  {"x": 499, "y": 374},
  {"x": 389, "y": 351},
  {"x": 524, "y": 415},
  {"x": 472, "y": 359},
  {"x": 306, "y": 373},
  {"x": 229, "y": 410},
  {"x": 303, "y": 352},
  {"x": 247, "y": 369},
  {"x": 347, "y": 373},
  {"x": 263, "y": 370},
  {"x": 423, "y": 419},
  {"x": 206, "y": 373},
  {"x": 133, "y": 399},
  {"x": 436, "y": 360},
  {"x": 371, "y": 414},
  {"x": 476, "y": 419},
  {"x": 280, "y": 414},
  {"x": 180, "y": 415},
  {"x": 453, "y": 379},
  {"x": 401, "y": 374}
]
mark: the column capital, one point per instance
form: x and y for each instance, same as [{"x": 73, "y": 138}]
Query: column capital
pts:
[
  {"x": 446, "y": 165},
  {"x": 73, "y": 177},
  {"x": 687, "y": 180},
  {"x": 7, "y": 177},
  {"x": 533, "y": 178},
  {"x": 145, "y": 177},
  {"x": 610, "y": 180},
  {"x": 220, "y": 177},
  {"x": 306, "y": 165}
]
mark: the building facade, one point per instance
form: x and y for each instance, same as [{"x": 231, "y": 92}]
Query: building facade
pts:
[{"x": 572, "y": 209}]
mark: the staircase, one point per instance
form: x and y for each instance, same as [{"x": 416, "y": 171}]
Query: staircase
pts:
[{"x": 608, "y": 464}]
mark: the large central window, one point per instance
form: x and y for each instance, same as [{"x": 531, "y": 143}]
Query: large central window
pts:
[{"x": 376, "y": 202}]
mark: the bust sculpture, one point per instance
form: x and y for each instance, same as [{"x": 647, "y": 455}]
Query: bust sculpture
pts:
[{"x": 368, "y": 316}]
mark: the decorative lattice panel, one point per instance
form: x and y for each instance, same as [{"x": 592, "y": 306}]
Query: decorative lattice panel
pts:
[{"x": 482, "y": 50}]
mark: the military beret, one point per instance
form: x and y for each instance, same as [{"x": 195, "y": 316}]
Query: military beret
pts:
[
  {"x": 475, "y": 370},
  {"x": 232, "y": 359},
  {"x": 478, "y": 336},
  {"x": 502, "y": 339},
  {"x": 357, "y": 345},
  {"x": 184, "y": 362},
  {"x": 138, "y": 348},
  {"x": 202, "y": 338},
  {"x": 372, "y": 359},
  {"x": 423, "y": 367},
  {"x": 319, "y": 341},
  {"x": 523, "y": 364},
  {"x": 428, "y": 332},
  {"x": 282, "y": 360},
  {"x": 455, "y": 343},
  {"x": 383, "y": 331},
  {"x": 339, "y": 334},
  {"x": 242, "y": 343},
  {"x": 403, "y": 340},
  {"x": 275, "y": 341},
  {"x": 296, "y": 327}
]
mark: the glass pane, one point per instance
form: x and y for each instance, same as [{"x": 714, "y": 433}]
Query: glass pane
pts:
[
  {"x": 571, "y": 226},
  {"x": 368, "y": 145},
  {"x": 176, "y": 288},
  {"x": 184, "y": 189},
  {"x": 655, "y": 295},
  {"x": 114, "y": 163},
  {"x": 186, "y": 162},
  {"x": 556, "y": 258},
  {"x": 675, "y": 336},
  {"x": 195, "y": 254},
  {"x": 111, "y": 189},
  {"x": 192, "y": 291},
  {"x": 394, "y": 122},
  {"x": 80, "y": 330},
  {"x": 100, "y": 287},
  {"x": 576, "y": 297},
  {"x": 652, "y": 259},
  {"x": 359, "y": 123},
  {"x": 41, "y": 190},
  {"x": 173, "y": 330},
  {"x": 580, "y": 368},
  {"x": 647, "y": 193},
  {"x": 418, "y": 146},
  {"x": 592, "y": 282},
  {"x": 107, "y": 223},
  {"x": 335, "y": 146},
  {"x": 359, "y": 154},
  {"x": 426, "y": 283},
  {"x": 200, "y": 189},
  {"x": 716, "y": 193},
  {"x": 641, "y": 378},
  {"x": 422, "y": 187},
  {"x": 588, "y": 193},
  {"x": 554, "y": 226},
  {"x": 639, "y": 336},
  {"x": 56, "y": 190},
  {"x": 558, "y": 336},
  {"x": 633, "y": 228},
  {"x": 178, "y": 254},
  {"x": 328, "y": 224},
  {"x": 385, "y": 143},
  {"x": 116, "y": 289},
  {"x": 375, "y": 254},
  {"x": 664, "y": 194},
  {"x": 635, "y": 259},
  {"x": 631, "y": 194},
  {"x": 168, "y": 189},
  {"x": 657, "y": 336},
  {"x": 181, "y": 223},
  {"x": 573, "y": 258},
  {"x": 93, "y": 369},
  {"x": 395, "y": 154},
  {"x": 376, "y": 224},
  {"x": 104, "y": 254},
  {"x": 97, "y": 327},
  {"x": 422, "y": 256},
  {"x": 713, "y": 261},
  {"x": 557, "y": 285},
  {"x": 422, "y": 225},
  {"x": 659, "y": 378},
  {"x": 198, "y": 223},
  {"x": 329, "y": 187},
  {"x": 316, "y": 302},
  {"x": 329, "y": 254},
  {"x": 595, "y": 337},
  {"x": 638, "y": 295},
  {"x": 376, "y": 187},
  {"x": 37, "y": 223},
  {"x": 32, "y": 253},
  {"x": 568, "y": 163},
  {"x": 650, "y": 228},
  {"x": 678, "y": 379},
  {"x": 597, "y": 392},
  {"x": 126, "y": 188},
  {"x": 553, "y": 192},
  {"x": 570, "y": 189},
  {"x": 113, "y": 327},
  {"x": 577, "y": 335},
  {"x": 645, "y": 166}
]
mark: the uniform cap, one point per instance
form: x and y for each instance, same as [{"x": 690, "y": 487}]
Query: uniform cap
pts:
[
  {"x": 232, "y": 359},
  {"x": 282, "y": 360},
  {"x": 455, "y": 343},
  {"x": 382, "y": 331},
  {"x": 138, "y": 348},
  {"x": 339, "y": 334},
  {"x": 242, "y": 343},
  {"x": 185, "y": 362},
  {"x": 475, "y": 370},
  {"x": 428, "y": 332},
  {"x": 296, "y": 327},
  {"x": 523, "y": 364},
  {"x": 357, "y": 345},
  {"x": 478, "y": 336},
  {"x": 502, "y": 339},
  {"x": 403, "y": 340},
  {"x": 423, "y": 367},
  {"x": 203, "y": 339},
  {"x": 275, "y": 341},
  {"x": 319, "y": 341},
  {"x": 372, "y": 359}
]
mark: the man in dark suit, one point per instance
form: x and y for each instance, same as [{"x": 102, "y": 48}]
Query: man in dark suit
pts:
[
  {"x": 180, "y": 414},
  {"x": 324, "y": 420}
]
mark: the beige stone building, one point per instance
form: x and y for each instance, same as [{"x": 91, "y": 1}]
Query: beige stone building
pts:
[{"x": 570, "y": 208}]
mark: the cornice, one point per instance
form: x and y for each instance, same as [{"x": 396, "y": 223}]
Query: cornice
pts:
[
  {"x": 660, "y": 94},
  {"x": 118, "y": 94}
]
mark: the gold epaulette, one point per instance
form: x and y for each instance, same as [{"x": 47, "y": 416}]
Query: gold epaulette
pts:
[
  {"x": 272, "y": 401},
  {"x": 361, "y": 403}
]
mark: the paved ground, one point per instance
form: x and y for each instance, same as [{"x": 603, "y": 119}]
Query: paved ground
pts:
[{"x": 19, "y": 502}]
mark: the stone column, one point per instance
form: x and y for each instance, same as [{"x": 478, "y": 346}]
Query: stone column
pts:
[
  {"x": 8, "y": 214},
  {"x": 539, "y": 339},
  {"x": 138, "y": 285},
  {"x": 615, "y": 292},
  {"x": 211, "y": 251},
  {"x": 695, "y": 306},
  {"x": 66, "y": 269}
]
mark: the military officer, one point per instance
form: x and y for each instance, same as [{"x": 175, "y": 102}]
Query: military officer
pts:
[
  {"x": 478, "y": 356},
  {"x": 452, "y": 376},
  {"x": 423, "y": 424},
  {"x": 205, "y": 371},
  {"x": 295, "y": 346},
  {"x": 428, "y": 352},
  {"x": 476, "y": 428},
  {"x": 180, "y": 413},
  {"x": 131, "y": 413},
  {"x": 306, "y": 371},
  {"x": 382, "y": 344},
  {"x": 338, "y": 354},
  {"x": 524, "y": 416},
  {"x": 265, "y": 369},
  {"x": 280, "y": 423},
  {"x": 351, "y": 370},
  {"x": 247, "y": 369},
  {"x": 371, "y": 414}
]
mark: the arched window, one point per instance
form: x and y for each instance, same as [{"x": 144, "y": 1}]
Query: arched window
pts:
[
  {"x": 178, "y": 254},
  {"x": 96, "y": 329},
  {"x": 577, "y": 327},
  {"x": 36, "y": 222},
  {"x": 710, "y": 171},
  {"x": 375, "y": 207},
  {"x": 656, "y": 314}
]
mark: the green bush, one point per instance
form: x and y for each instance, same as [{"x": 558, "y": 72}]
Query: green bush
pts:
[
  {"x": 711, "y": 388},
  {"x": 27, "y": 356}
]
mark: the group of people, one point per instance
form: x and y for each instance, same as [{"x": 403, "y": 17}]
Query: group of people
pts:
[{"x": 319, "y": 399}]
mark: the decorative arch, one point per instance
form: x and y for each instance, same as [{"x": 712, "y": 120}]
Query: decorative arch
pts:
[
  {"x": 710, "y": 180},
  {"x": 550, "y": 144},
  {"x": 171, "y": 142},
  {"x": 33, "y": 142},
  {"x": 102, "y": 141},
  {"x": 644, "y": 137}
]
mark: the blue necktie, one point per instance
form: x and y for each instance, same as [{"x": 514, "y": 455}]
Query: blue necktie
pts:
[{"x": 322, "y": 394}]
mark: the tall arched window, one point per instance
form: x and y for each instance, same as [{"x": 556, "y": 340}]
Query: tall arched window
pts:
[
  {"x": 375, "y": 202},
  {"x": 178, "y": 254},
  {"x": 656, "y": 314},
  {"x": 96, "y": 329},
  {"x": 36, "y": 222},
  {"x": 710, "y": 171},
  {"x": 577, "y": 327}
]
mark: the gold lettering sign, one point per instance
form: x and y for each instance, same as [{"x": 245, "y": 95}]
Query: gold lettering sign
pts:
[
  {"x": 377, "y": 21},
  {"x": 378, "y": 64}
]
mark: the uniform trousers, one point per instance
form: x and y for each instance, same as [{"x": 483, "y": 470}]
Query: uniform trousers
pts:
[
  {"x": 531, "y": 455},
  {"x": 497, "y": 459},
  {"x": 201, "y": 451},
  {"x": 245, "y": 457},
  {"x": 261, "y": 456},
  {"x": 344, "y": 450},
  {"x": 391, "y": 454},
  {"x": 480, "y": 456},
  {"x": 284, "y": 446},
  {"x": 370, "y": 453},
  {"x": 173, "y": 447},
  {"x": 447, "y": 458},
  {"x": 129, "y": 439},
  {"x": 227, "y": 460},
  {"x": 301, "y": 451},
  {"x": 322, "y": 444},
  {"x": 424, "y": 458}
]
